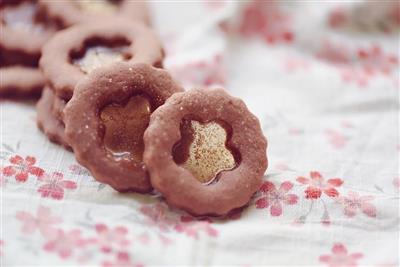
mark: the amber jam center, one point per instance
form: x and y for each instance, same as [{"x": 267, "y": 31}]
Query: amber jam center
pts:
[
  {"x": 98, "y": 56},
  {"x": 22, "y": 17},
  {"x": 204, "y": 149},
  {"x": 98, "y": 6},
  {"x": 124, "y": 127}
]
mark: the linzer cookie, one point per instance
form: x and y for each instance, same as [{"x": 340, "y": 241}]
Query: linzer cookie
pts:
[
  {"x": 106, "y": 118},
  {"x": 70, "y": 12},
  {"x": 58, "y": 107},
  {"x": 19, "y": 81},
  {"x": 23, "y": 33},
  {"x": 73, "y": 53},
  {"x": 48, "y": 122},
  {"x": 205, "y": 152}
]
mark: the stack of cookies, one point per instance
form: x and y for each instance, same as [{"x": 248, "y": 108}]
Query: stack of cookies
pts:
[
  {"x": 72, "y": 54},
  {"x": 26, "y": 25},
  {"x": 23, "y": 33},
  {"x": 107, "y": 98}
]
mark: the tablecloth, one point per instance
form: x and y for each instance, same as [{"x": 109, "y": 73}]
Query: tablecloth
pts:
[{"x": 323, "y": 79}]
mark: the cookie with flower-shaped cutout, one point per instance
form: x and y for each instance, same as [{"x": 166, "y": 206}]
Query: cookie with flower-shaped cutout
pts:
[
  {"x": 23, "y": 33},
  {"x": 107, "y": 116},
  {"x": 205, "y": 152},
  {"x": 75, "y": 52},
  {"x": 47, "y": 120}
]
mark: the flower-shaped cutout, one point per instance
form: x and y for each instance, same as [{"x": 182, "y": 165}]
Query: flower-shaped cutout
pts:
[
  {"x": 124, "y": 127},
  {"x": 203, "y": 149}
]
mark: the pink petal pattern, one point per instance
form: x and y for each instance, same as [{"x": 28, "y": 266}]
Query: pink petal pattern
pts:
[{"x": 275, "y": 198}]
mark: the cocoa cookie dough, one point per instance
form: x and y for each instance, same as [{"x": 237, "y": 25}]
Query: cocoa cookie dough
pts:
[
  {"x": 58, "y": 108},
  {"x": 19, "y": 81},
  {"x": 106, "y": 118},
  {"x": 205, "y": 152},
  {"x": 47, "y": 122},
  {"x": 75, "y": 52},
  {"x": 70, "y": 12},
  {"x": 23, "y": 33}
]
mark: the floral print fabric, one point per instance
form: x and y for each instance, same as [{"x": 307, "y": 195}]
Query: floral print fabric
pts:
[{"x": 323, "y": 81}]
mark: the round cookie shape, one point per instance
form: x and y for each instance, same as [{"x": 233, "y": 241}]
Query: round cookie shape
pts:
[
  {"x": 106, "y": 118},
  {"x": 234, "y": 185},
  {"x": 47, "y": 121},
  {"x": 23, "y": 33},
  {"x": 19, "y": 81},
  {"x": 139, "y": 45},
  {"x": 71, "y": 12}
]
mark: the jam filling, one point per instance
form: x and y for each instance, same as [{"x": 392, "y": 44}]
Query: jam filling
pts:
[
  {"x": 124, "y": 127},
  {"x": 204, "y": 149}
]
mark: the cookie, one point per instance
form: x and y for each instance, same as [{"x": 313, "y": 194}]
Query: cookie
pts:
[
  {"x": 19, "y": 81},
  {"x": 205, "y": 152},
  {"x": 58, "y": 108},
  {"x": 71, "y": 12},
  {"x": 106, "y": 118},
  {"x": 77, "y": 51},
  {"x": 23, "y": 33},
  {"x": 47, "y": 122}
]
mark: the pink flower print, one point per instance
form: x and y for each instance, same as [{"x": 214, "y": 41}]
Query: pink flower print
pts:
[
  {"x": 275, "y": 198},
  {"x": 337, "y": 139},
  {"x": 191, "y": 227},
  {"x": 54, "y": 185},
  {"x": 317, "y": 185},
  {"x": 157, "y": 215},
  {"x": 22, "y": 168},
  {"x": 265, "y": 19},
  {"x": 43, "y": 221},
  {"x": 254, "y": 20},
  {"x": 206, "y": 73},
  {"x": 354, "y": 74},
  {"x": 65, "y": 243},
  {"x": 340, "y": 257},
  {"x": 338, "y": 17},
  {"x": 107, "y": 238},
  {"x": 336, "y": 54},
  {"x": 394, "y": 15},
  {"x": 374, "y": 60},
  {"x": 122, "y": 260},
  {"x": 354, "y": 202}
]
